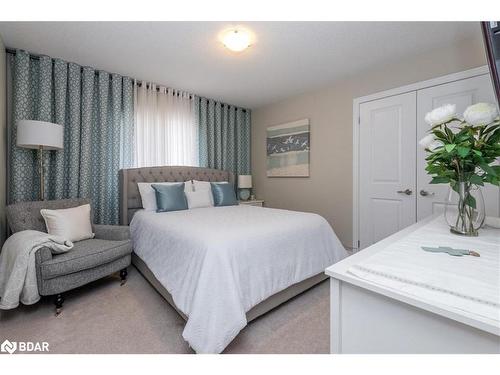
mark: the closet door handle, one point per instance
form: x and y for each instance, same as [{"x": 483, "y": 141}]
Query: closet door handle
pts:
[
  {"x": 425, "y": 193},
  {"x": 407, "y": 192}
]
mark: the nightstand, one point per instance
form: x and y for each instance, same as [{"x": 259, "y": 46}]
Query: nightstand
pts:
[{"x": 254, "y": 202}]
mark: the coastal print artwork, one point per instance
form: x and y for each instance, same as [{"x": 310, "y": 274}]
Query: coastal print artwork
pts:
[{"x": 288, "y": 149}]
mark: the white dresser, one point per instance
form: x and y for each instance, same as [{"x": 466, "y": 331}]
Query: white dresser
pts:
[{"x": 370, "y": 316}]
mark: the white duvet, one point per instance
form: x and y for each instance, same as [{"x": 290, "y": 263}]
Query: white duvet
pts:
[{"x": 219, "y": 262}]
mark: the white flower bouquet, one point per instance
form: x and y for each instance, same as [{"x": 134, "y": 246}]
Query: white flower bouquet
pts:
[{"x": 462, "y": 153}]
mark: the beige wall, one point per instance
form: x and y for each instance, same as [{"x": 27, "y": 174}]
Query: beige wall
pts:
[
  {"x": 328, "y": 190},
  {"x": 3, "y": 141}
]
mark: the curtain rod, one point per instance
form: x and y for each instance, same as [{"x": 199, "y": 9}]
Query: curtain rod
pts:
[
  {"x": 191, "y": 96},
  {"x": 159, "y": 87},
  {"x": 13, "y": 51},
  {"x": 35, "y": 56}
]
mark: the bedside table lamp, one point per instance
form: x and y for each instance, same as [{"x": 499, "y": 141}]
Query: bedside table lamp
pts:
[
  {"x": 244, "y": 186},
  {"x": 42, "y": 136}
]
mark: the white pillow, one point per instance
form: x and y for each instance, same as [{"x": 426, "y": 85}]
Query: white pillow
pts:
[
  {"x": 72, "y": 224},
  {"x": 206, "y": 186},
  {"x": 199, "y": 199},
  {"x": 148, "y": 195}
]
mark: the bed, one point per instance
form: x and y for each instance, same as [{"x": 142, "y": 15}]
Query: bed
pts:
[{"x": 222, "y": 267}]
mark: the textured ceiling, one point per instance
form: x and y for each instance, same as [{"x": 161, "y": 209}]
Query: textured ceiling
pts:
[{"x": 286, "y": 58}]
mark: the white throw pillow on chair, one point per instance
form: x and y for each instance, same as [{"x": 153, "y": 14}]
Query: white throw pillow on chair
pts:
[{"x": 72, "y": 224}]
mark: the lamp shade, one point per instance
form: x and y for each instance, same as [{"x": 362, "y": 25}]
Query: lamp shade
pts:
[
  {"x": 244, "y": 181},
  {"x": 33, "y": 134}
]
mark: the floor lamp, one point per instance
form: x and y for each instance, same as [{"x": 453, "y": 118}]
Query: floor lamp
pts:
[{"x": 42, "y": 136}]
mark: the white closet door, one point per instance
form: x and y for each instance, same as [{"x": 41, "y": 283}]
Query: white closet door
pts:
[
  {"x": 387, "y": 166},
  {"x": 430, "y": 198}
]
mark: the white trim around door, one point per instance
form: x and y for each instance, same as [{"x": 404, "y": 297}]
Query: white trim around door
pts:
[{"x": 383, "y": 94}]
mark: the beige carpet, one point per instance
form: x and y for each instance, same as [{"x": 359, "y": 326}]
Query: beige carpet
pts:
[{"x": 105, "y": 318}]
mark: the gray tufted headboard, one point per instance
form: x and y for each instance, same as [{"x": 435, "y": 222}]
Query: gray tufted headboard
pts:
[{"x": 130, "y": 199}]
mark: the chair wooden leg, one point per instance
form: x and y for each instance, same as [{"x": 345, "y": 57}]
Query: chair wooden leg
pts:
[
  {"x": 59, "y": 303},
  {"x": 123, "y": 276}
]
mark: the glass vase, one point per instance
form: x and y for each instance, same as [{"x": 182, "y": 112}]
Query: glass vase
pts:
[{"x": 464, "y": 209}]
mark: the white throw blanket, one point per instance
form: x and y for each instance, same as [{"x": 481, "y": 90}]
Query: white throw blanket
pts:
[
  {"x": 17, "y": 266},
  {"x": 219, "y": 262},
  {"x": 468, "y": 283}
]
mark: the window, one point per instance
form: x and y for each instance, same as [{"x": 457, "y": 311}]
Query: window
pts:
[{"x": 166, "y": 131}]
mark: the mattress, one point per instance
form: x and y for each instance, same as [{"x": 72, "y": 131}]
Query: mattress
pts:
[{"x": 219, "y": 262}]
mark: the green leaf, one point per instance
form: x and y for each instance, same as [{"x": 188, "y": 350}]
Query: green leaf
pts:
[
  {"x": 470, "y": 201},
  {"x": 491, "y": 179},
  {"x": 433, "y": 169},
  {"x": 463, "y": 151},
  {"x": 477, "y": 180},
  {"x": 490, "y": 129},
  {"x": 449, "y": 133},
  {"x": 440, "y": 135},
  {"x": 485, "y": 167},
  {"x": 450, "y": 147},
  {"x": 440, "y": 180},
  {"x": 477, "y": 152}
]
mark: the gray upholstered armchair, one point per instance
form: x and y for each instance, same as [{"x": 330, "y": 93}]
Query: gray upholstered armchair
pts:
[{"x": 89, "y": 260}]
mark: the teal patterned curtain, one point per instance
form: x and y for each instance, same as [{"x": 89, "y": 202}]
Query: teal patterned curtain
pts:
[
  {"x": 224, "y": 136},
  {"x": 96, "y": 110}
]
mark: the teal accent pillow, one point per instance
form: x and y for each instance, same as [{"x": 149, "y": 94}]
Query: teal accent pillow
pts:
[
  {"x": 224, "y": 194},
  {"x": 170, "y": 197}
]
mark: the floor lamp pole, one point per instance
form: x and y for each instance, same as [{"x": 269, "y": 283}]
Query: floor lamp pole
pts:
[{"x": 40, "y": 167}]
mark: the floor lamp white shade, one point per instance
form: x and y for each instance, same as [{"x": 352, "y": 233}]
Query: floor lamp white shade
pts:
[
  {"x": 40, "y": 135},
  {"x": 33, "y": 134}
]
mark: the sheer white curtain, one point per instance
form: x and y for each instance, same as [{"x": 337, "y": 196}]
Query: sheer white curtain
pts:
[{"x": 166, "y": 131}]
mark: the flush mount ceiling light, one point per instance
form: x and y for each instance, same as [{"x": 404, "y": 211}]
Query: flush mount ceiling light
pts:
[{"x": 236, "y": 40}]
